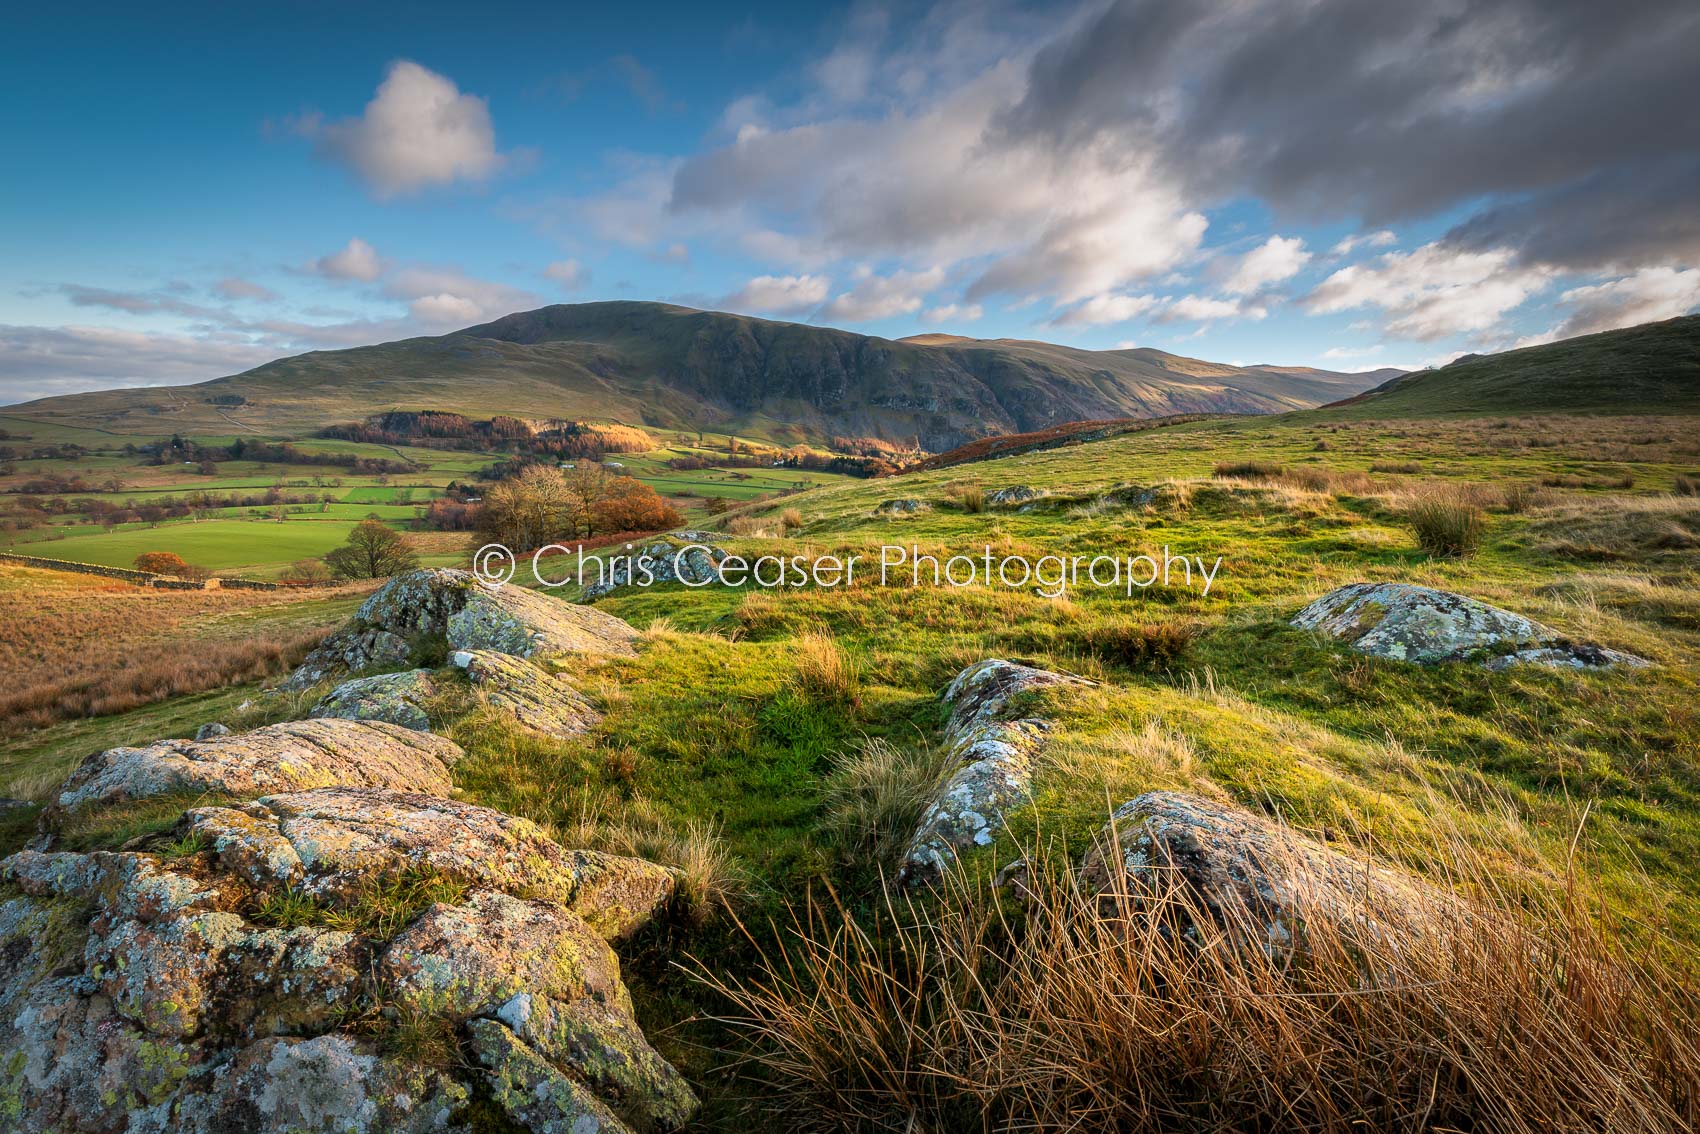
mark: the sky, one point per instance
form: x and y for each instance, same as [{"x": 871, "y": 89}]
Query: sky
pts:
[{"x": 188, "y": 191}]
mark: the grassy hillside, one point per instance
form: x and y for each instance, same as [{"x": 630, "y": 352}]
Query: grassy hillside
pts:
[
  {"x": 1653, "y": 368},
  {"x": 673, "y": 367}
]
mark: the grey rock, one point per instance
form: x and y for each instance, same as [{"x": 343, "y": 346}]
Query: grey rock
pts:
[
  {"x": 466, "y": 614},
  {"x": 671, "y": 559},
  {"x": 902, "y": 506},
  {"x": 993, "y": 750},
  {"x": 397, "y": 698},
  {"x": 287, "y": 756},
  {"x": 1013, "y": 495},
  {"x": 1405, "y": 622},
  {"x": 535, "y": 1093},
  {"x": 543, "y": 702},
  {"x": 1258, "y": 880},
  {"x": 212, "y": 730}
]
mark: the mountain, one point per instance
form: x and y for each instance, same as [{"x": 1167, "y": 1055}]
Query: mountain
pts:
[
  {"x": 674, "y": 367},
  {"x": 1653, "y": 368}
]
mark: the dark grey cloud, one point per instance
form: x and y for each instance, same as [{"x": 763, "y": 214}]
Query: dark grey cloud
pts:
[{"x": 1574, "y": 119}]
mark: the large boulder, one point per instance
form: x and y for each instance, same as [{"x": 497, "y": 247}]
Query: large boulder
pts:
[
  {"x": 1011, "y": 496},
  {"x": 674, "y": 558},
  {"x": 1257, "y": 880},
  {"x": 252, "y": 982},
  {"x": 442, "y": 603},
  {"x": 1405, "y": 622},
  {"x": 397, "y": 698},
  {"x": 993, "y": 750},
  {"x": 279, "y": 757},
  {"x": 540, "y": 701}
]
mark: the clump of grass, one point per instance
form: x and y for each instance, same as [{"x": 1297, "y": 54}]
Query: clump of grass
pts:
[
  {"x": 1402, "y": 468},
  {"x": 1248, "y": 470},
  {"x": 1142, "y": 645},
  {"x": 1078, "y": 1011},
  {"x": 1447, "y": 525},
  {"x": 710, "y": 878},
  {"x": 379, "y": 909},
  {"x": 1686, "y": 485},
  {"x": 791, "y": 519},
  {"x": 970, "y": 498},
  {"x": 747, "y": 527},
  {"x": 825, "y": 671},
  {"x": 874, "y": 796}
]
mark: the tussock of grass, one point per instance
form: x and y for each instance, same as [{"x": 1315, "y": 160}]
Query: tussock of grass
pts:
[
  {"x": 875, "y": 795},
  {"x": 1447, "y": 525},
  {"x": 379, "y": 909},
  {"x": 1077, "y": 1011},
  {"x": 1248, "y": 470},
  {"x": 825, "y": 671}
]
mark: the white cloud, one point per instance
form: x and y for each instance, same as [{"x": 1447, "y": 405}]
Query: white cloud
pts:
[
  {"x": 955, "y": 313},
  {"x": 1101, "y": 309},
  {"x": 234, "y": 288},
  {"x": 780, "y": 295},
  {"x": 1276, "y": 259},
  {"x": 882, "y": 297},
  {"x": 418, "y": 131},
  {"x": 570, "y": 274},
  {"x": 1434, "y": 291},
  {"x": 446, "y": 296},
  {"x": 1379, "y": 239},
  {"x": 39, "y": 362},
  {"x": 1648, "y": 295},
  {"x": 1204, "y": 309},
  {"x": 357, "y": 260}
]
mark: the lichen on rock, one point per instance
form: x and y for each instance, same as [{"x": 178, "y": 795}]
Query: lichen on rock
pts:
[
  {"x": 466, "y": 614},
  {"x": 280, "y": 757},
  {"x": 993, "y": 750},
  {"x": 684, "y": 557},
  {"x": 397, "y": 698},
  {"x": 1404, "y": 622},
  {"x": 543, "y": 702}
]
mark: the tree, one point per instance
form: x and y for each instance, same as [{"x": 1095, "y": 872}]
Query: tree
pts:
[
  {"x": 629, "y": 505},
  {"x": 373, "y": 550},
  {"x": 307, "y": 571},
  {"x": 162, "y": 563}
]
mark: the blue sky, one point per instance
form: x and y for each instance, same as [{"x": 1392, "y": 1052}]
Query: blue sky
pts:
[{"x": 191, "y": 190}]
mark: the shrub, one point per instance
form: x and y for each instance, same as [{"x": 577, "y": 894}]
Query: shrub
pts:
[
  {"x": 310, "y": 571},
  {"x": 874, "y": 797},
  {"x": 825, "y": 672},
  {"x": 1248, "y": 470},
  {"x": 161, "y": 563},
  {"x": 1140, "y": 645},
  {"x": 1447, "y": 525}
]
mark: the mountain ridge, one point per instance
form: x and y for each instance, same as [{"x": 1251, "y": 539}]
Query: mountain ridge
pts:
[{"x": 662, "y": 365}]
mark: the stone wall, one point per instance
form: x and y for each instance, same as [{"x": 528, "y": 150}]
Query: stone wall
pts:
[{"x": 140, "y": 578}]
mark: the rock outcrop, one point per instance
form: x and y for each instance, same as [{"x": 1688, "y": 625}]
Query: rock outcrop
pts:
[
  {"x": 1011, "y": 496},
  {"x": 540, "y": 701},
  {"x": 282, "y": 757},
  {"x": 994, "y": 752},
  {"x": 1419, "y": 624},
  {"x": 397, "y": 698},
  {"x": 249, "y": 981},
  {"x": 672, "y": 559},
  {"x": 902, "y": 506},
  {"x": 453, "y": 606},
  {"x": 1256, "y": 879}
]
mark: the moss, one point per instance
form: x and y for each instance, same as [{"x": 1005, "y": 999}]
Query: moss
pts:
[{"x": 379, "y": 909}]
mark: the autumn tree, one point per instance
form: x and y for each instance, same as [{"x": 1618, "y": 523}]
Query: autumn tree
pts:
[
  {"x": 373, "y": 550},
  {"x": 629, "y": 505}
]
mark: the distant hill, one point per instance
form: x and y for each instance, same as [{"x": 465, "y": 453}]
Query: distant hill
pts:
[
  {"x": 657, "y": 365},
  {"x": 1653, "y": 368}
]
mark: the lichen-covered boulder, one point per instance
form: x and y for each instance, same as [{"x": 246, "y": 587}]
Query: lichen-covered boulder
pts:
[
  {"x": 671, "y": 559},
  {"x": 398, "y": 698},
  {"x": 332, "y": 842},
  {"x": 1011, "y": 496},
  {"x": 902, "y": 506},
  {"x": 1405, "y": 622},
  {"x": 1258, "y": 880},
  {"x": 468, "y": 615},
  {"x": 280, "y": 757},
  {"x": 993, "y": 750},
  {"x": 243, "y": 976},
  {"x": 542, "y": 702}
]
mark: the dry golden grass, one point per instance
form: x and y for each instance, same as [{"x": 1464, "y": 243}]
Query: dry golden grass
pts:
[
  {"x": 1617, "y": 527},
  {"x": 1076, "y": 1011},
  {"x": 873, "y": 798},
  {"x": 825, "y": 672},
  {"x": 91, "y": 648}
]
